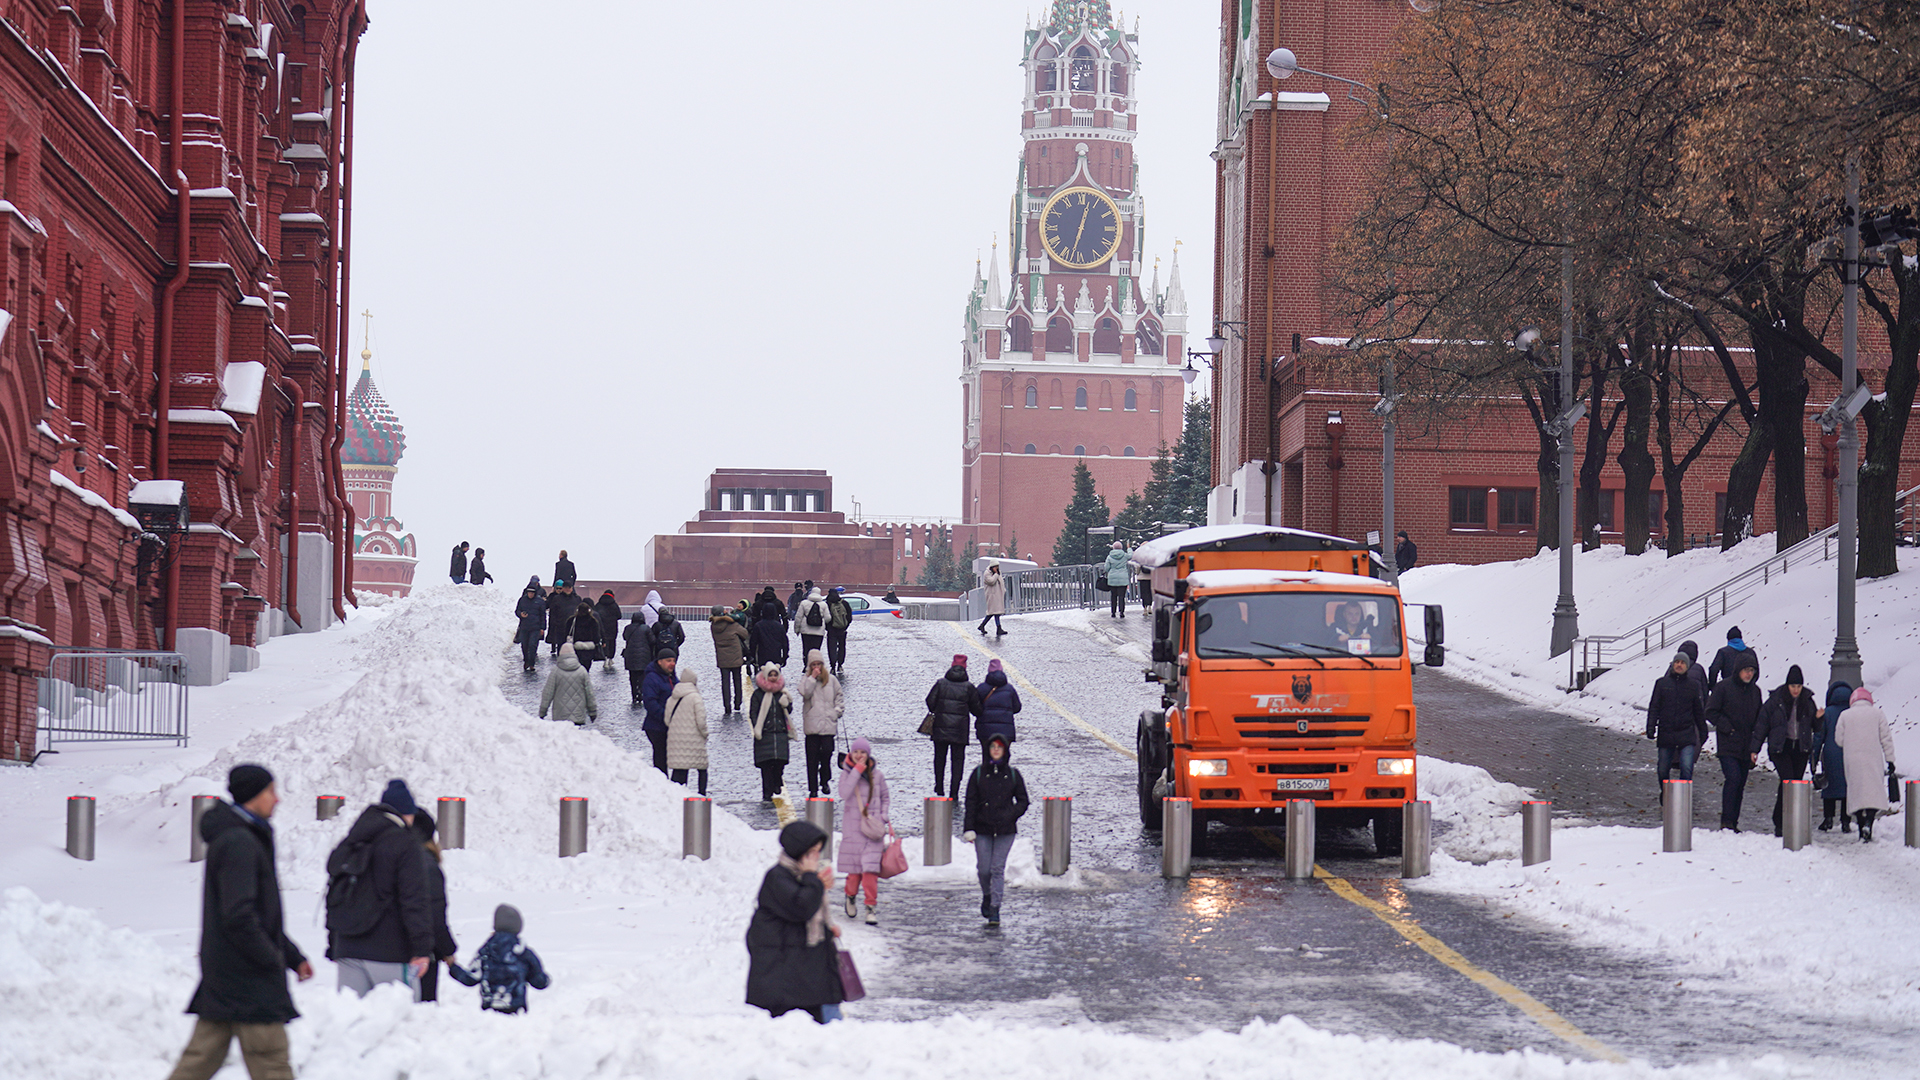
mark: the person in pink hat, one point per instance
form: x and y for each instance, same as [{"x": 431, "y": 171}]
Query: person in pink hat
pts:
[
  {"x": 865, "y": 806},
  {"x": 951, "y": 706}
]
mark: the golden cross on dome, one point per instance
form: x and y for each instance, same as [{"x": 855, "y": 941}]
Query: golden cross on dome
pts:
[{"x": 366, "y": 341}]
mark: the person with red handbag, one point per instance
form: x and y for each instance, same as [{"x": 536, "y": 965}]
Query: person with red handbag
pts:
[{"x": 866, "y": 828}]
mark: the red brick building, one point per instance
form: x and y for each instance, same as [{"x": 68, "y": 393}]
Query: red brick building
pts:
[
  {"x": 1289, "y": 177},
  {"x": 176, "y": 180},
  {"x": 1079, "y": 359}
]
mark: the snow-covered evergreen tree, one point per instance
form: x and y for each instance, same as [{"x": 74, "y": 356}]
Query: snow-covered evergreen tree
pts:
[{"x": 1087, "y": 510}]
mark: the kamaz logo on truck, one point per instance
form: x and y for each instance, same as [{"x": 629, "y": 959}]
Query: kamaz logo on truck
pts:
[{"x": 1289, "y": 703}]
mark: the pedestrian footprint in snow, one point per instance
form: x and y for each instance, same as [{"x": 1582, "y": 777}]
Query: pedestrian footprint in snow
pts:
[
  {"x": 505, "y": 967},
  {"x": 569, "y": 693}
]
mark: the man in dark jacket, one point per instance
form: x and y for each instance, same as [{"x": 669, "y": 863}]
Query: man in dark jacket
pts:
[
  {"x": 1726, "y": 661},
  {"x": 477, "y": 573},
  {"x": 637, "y": 655},
  {"x": 607, "y": 611},
  {"x": 798, "y": 594},
  {"x": 1677, "y": 720},
  {"x": 384, "y": 933},
  {"x": 839, "y": 619},
  {"x": 563, "y": 571},
  {"x": 562, "y": 604},
  {"x": 1696, "y": 672},
  {"x": 667, "y": 632},
  {"x": 655, "y": 689},
  {"x": 458, "y": 568},
  {"x": 769, "y": 629},
  {"x": 244, "y": 952},
  {"x": 996, "y": 800},
  {"x": 953, "y": 703},
  {"x": 1405, "y": 554},
  {"x": 1733, "y": 709},
  {"x": 1785, "y": 728},
  {"x": 532, "y": 613}
]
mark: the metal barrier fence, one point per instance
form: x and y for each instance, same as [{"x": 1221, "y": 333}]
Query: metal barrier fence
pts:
[
  {"x": 101, "y": 695},
  {"x": 1048, "y": 588}
]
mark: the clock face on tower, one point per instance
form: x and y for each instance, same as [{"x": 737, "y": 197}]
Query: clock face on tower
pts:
[{"x": 1080, "y": 227}]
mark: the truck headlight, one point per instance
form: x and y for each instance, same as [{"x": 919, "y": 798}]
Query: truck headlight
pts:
[
  {"x": 1395, "y": 766},
  {"x": 1207, "y": 767}
]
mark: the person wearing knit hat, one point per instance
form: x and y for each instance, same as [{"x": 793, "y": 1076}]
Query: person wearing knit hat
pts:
[
  {"x": 1866, "y": 739},
  {"x": 996, "y": 801},
  {"x": 245, "y": 953},
  {"x": 1677, "y": 720},
  {"x": 951, "y": 706},
  {"x": 792, "y": 961},
  {"x": 866, "y": 805},
  {"x": 505, "y": 966},
  {"x": 821, "y": 707},
  {"x": 998, "y": 702},
  {"x": 1733, "y": 708},
  {"x": 770, "y": 722},
  {"x": 568, "y": 692},
  {"x": 380, "y": 918},
  {"x": 655, "y": 688},
  {"x": 1727, "y": 661},
  {"x": 1785, "y": 728}
]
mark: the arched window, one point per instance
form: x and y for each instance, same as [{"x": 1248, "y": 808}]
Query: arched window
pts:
[
  {"x": 1045, "y": 71},
  {"x": 1053, "y": 397},
  {"x": 1130, "y": 401},
  {"x": 1021, "y": 330},
  {"x": 1079, "y": 451},
  {"x": 1029, "y": 449},
  {"x": 1054, "y": 449},
  {"x": 1106, "y": 396},
  {"x": 1106, "y": 337},
  {"x": 1080, "y": 397},
  {"x": 1117, "y": 82},
  {"x": 1147, "y": 340},
  {"x": 1086, "y": 71},
  {"x": 1128, "y": 452},
  {"x": 1106, "y": 451},
  {"x": 1059, "y": 334},
  {"x": 1033, "y": 399}
]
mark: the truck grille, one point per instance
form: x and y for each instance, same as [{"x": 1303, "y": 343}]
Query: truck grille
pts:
[{"x": 1287, "y": 729}]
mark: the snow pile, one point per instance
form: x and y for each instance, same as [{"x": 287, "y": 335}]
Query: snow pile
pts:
[{"x": 1475, "y": 817}]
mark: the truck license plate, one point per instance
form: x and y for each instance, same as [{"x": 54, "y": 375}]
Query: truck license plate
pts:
[{"x": 1312, "y": 783}]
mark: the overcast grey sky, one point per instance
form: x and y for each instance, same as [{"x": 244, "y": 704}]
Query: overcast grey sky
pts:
[{"x": 611, "y": 246}]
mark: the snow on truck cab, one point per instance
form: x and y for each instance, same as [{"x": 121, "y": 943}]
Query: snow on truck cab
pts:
[{"x": 1285, "y": 674}]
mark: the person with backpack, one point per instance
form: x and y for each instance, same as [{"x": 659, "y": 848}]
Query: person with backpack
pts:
[
  {"x": 458, "y": 567},
  {"x": 379, "y": 911},
  {"x": 686, "y": 720},
  {"x": 839, "y": 620},
  {"x": 998, "y": 702},
  {"x": 770, "y": 722},
  {"x": 569, "y": 693},
  {"x": 821, "y": 707},
  {"x": 865, "y": 809},
  {"x": 791, "y": 954},
  {"x": 563, "y": 571},
  {"x": 729, "y": 654},
  {"x": 993, "y": 590},
  {"x": 531, "y": 610},
  {"x": 505, "y": 966},
  {"x": 811, "y": 620},
  {"x": 666, "y": 632},
  {"x": 996, "y": 800},
  {"x": 1727, "y": 661},
  {"x": 245, "y": 953},
  {"x": 655, "y": 689},
  {"x": 423, "y": 827},
  {"x": 1119, "y": 579},
  {"x": 606, "y": 612}
]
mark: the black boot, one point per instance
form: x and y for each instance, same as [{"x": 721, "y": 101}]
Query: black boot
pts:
[
  {"x": 1866, "y": 826},
  {"x": 1846, "y": 819},
  {"x": 993, "y": 918},
  {"x": 1826, "y": 822}
]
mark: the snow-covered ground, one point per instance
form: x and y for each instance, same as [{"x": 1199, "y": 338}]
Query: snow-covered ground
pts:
[{"x": 97, "y": 958}]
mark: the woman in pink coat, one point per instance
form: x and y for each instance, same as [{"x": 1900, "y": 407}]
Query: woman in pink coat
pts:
[{"x": 865, "y": 825}]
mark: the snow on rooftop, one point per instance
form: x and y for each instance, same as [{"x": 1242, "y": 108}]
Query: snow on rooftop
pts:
[
  {"x": 241, "y": 386},
  {"x": 1159, "y": 552},
  {"x": 158, "y": 493},
  {"x": 92, "y": 498},
  {"x": 201, "y": 416},
  {"x": 1254, "y": 579}
]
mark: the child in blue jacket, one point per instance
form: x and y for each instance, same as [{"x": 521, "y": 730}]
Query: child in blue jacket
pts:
[{"x": 506, "y": 967}]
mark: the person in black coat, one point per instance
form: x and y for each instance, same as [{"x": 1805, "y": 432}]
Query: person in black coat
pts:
[
  {"x": 952, "y": 702},
  {"x": 444, "y": 949},
  {"x": 1696, "y": 672},
  {"x": 1785, "y": 728},
  {"x": 245, "y": 953},
  {"x": 996, "y": 800},
  {"x": 562, "y": 603},
  {"x": 1733, "y": 709},
  {"x": 667, "y": 632},
  {"x": 531, "y": 610},
  {"x": 585, "y": 634},
  {"x": 769, "y": 629},
  {"x": 607, "y": 611},
  {"x": 1677, "y": 721},
  {"x": 637, "y": 654},
  {"x": 1726, "y": 661},
  {"x": 400, "y": 936},
  {"x": 477, "y": 573},
  {"x": 1405, "y": 554},
  {"x": 563, "y": 571},
  {"x": 793, "y": 599},
  {"x": 791, "y": 961},
  {"x": 458, "y": 568}
]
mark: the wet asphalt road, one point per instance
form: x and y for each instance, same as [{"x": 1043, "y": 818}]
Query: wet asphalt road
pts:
[{"x": 1239, "y": 941}]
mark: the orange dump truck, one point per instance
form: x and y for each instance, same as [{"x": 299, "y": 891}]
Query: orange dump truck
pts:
[{"x": 1285, "y": 673}]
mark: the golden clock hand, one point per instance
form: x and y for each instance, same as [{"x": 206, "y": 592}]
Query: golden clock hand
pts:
[{"x": 1077, "y": 232}]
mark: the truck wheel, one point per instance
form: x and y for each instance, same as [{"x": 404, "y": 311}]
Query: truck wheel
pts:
[
  {"x": 1149, "y": 776},
  {"x": 1198, "y": 844},
  {"x": 1389, "y": 830}
]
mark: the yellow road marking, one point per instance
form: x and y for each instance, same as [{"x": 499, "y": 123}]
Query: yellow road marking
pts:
[{"x": 1014, "y": 674}]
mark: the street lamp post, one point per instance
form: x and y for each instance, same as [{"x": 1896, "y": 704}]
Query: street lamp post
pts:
[
  {"x": 1845, "y": 666},
  {"x": 1566, "y": 616}
]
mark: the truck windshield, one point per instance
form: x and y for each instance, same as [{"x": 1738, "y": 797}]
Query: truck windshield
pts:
[{"x": 1281, "y": 624}]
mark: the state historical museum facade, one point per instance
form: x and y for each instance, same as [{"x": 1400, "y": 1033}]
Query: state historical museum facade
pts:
[
  {"x": 1078, "y": 358},
  {"x": 176, "y": 182}
]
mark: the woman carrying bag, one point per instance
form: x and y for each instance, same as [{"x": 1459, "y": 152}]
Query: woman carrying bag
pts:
[
  {"x": 769, "y": 720},
  {"x": 792, "y": 961},
  {"x": 867, "y": 828}
]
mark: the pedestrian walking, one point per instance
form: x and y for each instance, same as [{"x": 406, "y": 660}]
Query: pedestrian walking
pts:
[
  {"x": 769, "y": 630},
  {"x": 568, "y": 692},
  {"x": 563, "y": 571},
  {"x": 531, "y": 610},
  {"x": 1830, "y": 762},
  {"x": 993, "y": 590},
  {"x": 743, "y": 614},
  {"x": 1733, "y": 709},
  {"x": 379, "y": 916},
  {"x": 655, "y": 689},
  {"x": 1696, "y": 671},
  {"x": 245, "y": 953},
  {"x": 653, "y": 607},
  {"x": 444, "y": 949},
  {"x": 865, "y": 806},
  {"x": 791, "y": 955},
  {"x": 585, "y": 634},
  {"x": 770, "y": 722},
  {"x": 891, "y": 597},
  {"x": 504, "y": 967},
  {"x": 562, "y": 604},
  {"x": 637, "y": 654},
  {"x": 666, "y": 631},
  {"x": 606, "y": 611},
  {"x": 1405, "y": 553},
  {"x": 810, "y": 619},
  {"x": 686, "y": 720},
  {"x": 1785, "y": 729},
  {"x": 1726, "y": 661},
  {"x": 839, "y": 621},
  {"x": 951, "y": 704},
  {"x": 458, "y": 568},
  {"x": 1677, "y": 721},
  {"x": 477, "y": 571},
  {"x": 729, "y": 653},
  {"x": 996, "y": 704},
  {"x": 794, "y": 598},
  {"x": 1867, "y": 740},
  {"x": 996, "y": 800},
  {"x": 821, "y": 707},
  {"x": 1118, "y": 578}
]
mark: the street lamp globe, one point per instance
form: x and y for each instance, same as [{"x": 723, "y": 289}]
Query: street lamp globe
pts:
[
  {"x": 1527, "y": 338},
  {"x": 1215, "y": 344},
  {"x": 1189, "y": 373},
  {"x": 1281, "y": 63}
]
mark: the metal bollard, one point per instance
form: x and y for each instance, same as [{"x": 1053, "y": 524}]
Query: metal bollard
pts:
[
  {"x": 696, "y": 827},
  {"x": 1056, "y": 848},
  {"x": 196, "y": 847},
  {"x": 573, "y": 825},
  {"x": 1796, "y": 814},
  {"x": 1913, "y": 813},
  {"x": 80, "y": 827},
  {"x": 936, "y": 833},
  {"x": 453, "y": 822},
  {"x": 1301, "y": 827},
  {"x": 1416, "y": 839},
  {"x": 327, "y": 807},
  {"x": 1676, "y": 815},
  {"x": 1176, "y": 838},
  {"x": 1536, "y": 832},
  {"x": 820, "y": 812}
]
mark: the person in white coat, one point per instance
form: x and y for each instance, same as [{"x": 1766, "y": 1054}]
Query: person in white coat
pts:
[
  {"x": 1866, "y": 740},
  {"x": 821, "y": 707},
  {"x": 993, "y": 589},
  {"x": 811, "y": 618},
  {"x": 686, "y": 718}
]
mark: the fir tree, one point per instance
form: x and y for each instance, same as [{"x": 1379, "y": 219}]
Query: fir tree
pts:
[
  {"x": 1159, "y": 490},
  {"x": 1087, "y": 511},
  {"x": 1192, "y": 479},
  {"x": 1013, "y": 546},
  {"x": 938, "y": 571},
  {"x": 1134, "y": 523},
  {"x": 963, "y": 574}
]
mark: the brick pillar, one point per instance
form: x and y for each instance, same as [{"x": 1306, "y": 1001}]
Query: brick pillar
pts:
[{"x": 22, "y": 663}]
